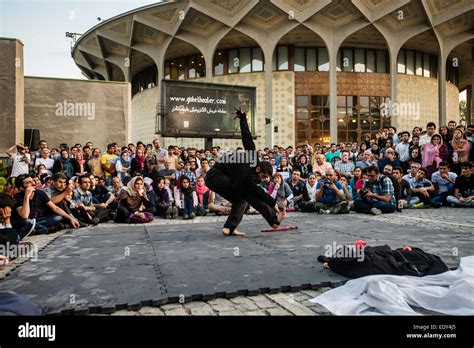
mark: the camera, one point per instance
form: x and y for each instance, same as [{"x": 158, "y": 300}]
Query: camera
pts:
[{"x": 363, "y": 192}]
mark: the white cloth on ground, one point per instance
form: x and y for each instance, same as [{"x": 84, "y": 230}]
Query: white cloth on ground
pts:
[{"x": 450, "y": 293}]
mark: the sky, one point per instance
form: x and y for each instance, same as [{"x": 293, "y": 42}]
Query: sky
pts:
[{"x": 41, "y": 26}]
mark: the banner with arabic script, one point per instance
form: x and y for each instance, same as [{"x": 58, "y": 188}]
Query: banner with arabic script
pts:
[{"x": 194, "y": 109}]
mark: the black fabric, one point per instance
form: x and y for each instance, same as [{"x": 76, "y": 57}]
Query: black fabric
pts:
[
  {"x": 384, "y": 260},
  {"x": 465, "y": 185},
  {"x": 8, "y": 235},
  {"x": 38, "y": 207}
]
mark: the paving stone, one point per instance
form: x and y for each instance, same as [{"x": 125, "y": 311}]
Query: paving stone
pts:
[
  {"x": 255, "y": 313},
  {"x": 263, "y": 302},
  {"x": 277, "y": 311},
  {"x": 290, "y": 305},
  {"x": 221, "y": 305},
  {"x": 203, "y": 310},
  {"x": 171, "y": 306},
  {"x": 244, "y": 304},
  {"x": 124, "y": 312},
  {"x": 151, "y": 311},
  {"x": 176, "y": 311}
]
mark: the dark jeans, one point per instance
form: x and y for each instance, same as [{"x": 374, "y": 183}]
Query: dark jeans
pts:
[
  {"x": 441, "y": 197},
  {"x": 363, "y": 206},
  {"x": 42, "y": 223},
  {"x": 221, "y": 184},
  {"x": 188, "y": 206}
]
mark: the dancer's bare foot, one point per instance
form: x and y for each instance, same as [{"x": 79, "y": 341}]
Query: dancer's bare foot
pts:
[
  {"x": 280, "y": 217},
  {"x": 226, "y": 232}
]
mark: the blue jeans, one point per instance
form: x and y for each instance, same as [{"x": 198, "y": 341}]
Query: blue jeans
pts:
[
  {"x": 363, "y": 206},
  {"x": 42, "y": 223},
  {"x": 188, "y": 206}
]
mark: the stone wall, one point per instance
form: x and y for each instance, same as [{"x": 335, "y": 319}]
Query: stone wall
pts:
[{"x": 78, "y": 111}]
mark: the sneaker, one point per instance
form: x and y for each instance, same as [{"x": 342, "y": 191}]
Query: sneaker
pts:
[
  {"x": 95, "y": 221},
  {"x": 8, "y": 226},
  {"x": 192, "y": 216},
  {"x": 2, "y": 226},
  {"x": 185, "y": 217},
  {"x": 375, "y": 211},
  {"x": 28, "y": 229},
  {"x": 418, "y": 206},
  {"x": 56, "y": 228},
  {"x": 436, "y": 204}
]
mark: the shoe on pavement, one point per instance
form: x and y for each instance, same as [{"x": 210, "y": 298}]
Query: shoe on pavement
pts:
[{"x": 375, "y": 211}]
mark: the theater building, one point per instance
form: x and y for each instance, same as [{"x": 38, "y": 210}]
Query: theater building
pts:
[{"x": 322, "y": 69}]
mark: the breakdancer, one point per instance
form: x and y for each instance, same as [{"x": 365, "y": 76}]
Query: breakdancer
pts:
[{"x": 239, "y": 182}]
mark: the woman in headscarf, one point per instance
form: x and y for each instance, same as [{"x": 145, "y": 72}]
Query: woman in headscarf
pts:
[
  {"x": 185, "y": 197},
  {"x": 305, "y": 168},
  {"x": 138, "y": 162},
  {"x": 433, "y": 153},
  {"x": 123, "y": 165},
  {"x": 415, "y": 155},
  {"x": 79, "y": 164},
  {"x": 164, "y": 202},
  {"x": 203, "y": 193},
  {"x": 64, "y": 165},
  {"x": 134, "y": 204},
  {"x": 309, "y": 194}
]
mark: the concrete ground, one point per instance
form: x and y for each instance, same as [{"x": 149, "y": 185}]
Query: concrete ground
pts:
[{"x": 188, "y": 268}]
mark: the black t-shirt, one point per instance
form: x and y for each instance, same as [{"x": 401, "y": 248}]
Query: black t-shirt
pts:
[
  {"x": 99, "y": 191},
  {"x": 465, "y": 185},
  {"x": 38, "y": 205}
]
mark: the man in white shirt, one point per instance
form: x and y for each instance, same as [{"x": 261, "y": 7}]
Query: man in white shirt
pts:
[
  {"x": 430, "y": 130},
  {"x": 20, "y": 159},
  {"x": 445, "y": 181},
  {"x": 44, "y": 159},
  {"x": 403, "y": 148}
]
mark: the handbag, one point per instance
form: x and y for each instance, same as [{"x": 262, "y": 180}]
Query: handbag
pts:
[{"x": 135, "y": 219}]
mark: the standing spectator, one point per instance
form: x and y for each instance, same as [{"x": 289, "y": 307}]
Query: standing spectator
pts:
[
  {"x": 344, "y": 167},
  {"x": 433, "y": 154},
  {"x": 430, "y": 130},
  {"x": 460, "y": 150},
  {"x": 21, "y": 160},
  {"x": 64, "y": 165},
  {"x": 403, "y": 149},
  {"x": 108, "y": 161},
  {"x": 123, "y": 166},
  {"x": 415, "y": 155},
  {"x": 377, "y": 196},
  {"x": 168, "y": 172},
  {"x": 95, "y": 164},
  {"x": 303, "y": 166},
  {"x": 79, "y": 164},
  {"x": 138, "y": 162},
  {"x": 160, "y": 154},
  {"x": 463, "y": 188},
  {"x": 45, "y": 160}
]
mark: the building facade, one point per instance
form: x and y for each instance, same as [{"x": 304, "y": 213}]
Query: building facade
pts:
[{"x": 323, "y": 69}]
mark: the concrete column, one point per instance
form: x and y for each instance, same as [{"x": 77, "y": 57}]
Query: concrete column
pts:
[
  {"x": 393, "y": 73},
  {"x": 442, "y": 88},
  {"x": 269, "y": 135},
  {"x": 470, "y": 94},
  {"x": 333, "y": 93},
  {"x": 12, "y": 96}
]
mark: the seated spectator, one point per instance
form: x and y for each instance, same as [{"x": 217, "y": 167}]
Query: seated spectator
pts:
[
  {"x": 45, "y": 160},
  {"x": 377, "y": 196},
  {"x": 309, "y": 194},
  {"x": 460, "y": 150},
  {"x": 34, "y": 206},
  {"x": 114, "y": 191},
  {"x": 218, "y": 204},
  {"x": 368, "y": 160},
  {"x": 389, "y": 158},
  {"x": 168, "y": 173},
  {"x": 296, "y": 186},
  {"x": 444, "y": 180},
  {"x": 284, "y": 169},
  {"x": 280, "y": 191},
  {"x": 354, "y": 179},
  {"x": 424, "y": 189},
  {"x": 303, "y": 166},
  {"x": 64, "y": 164},
  {"x": 405, "y": 200},
  {"x": 346, "y": 188},
  {"x": 202, "y": 192},
  {"x": 138, "y": 163},
  {"x": 60, "y": 192},
  {"x": 330, "y": 196},
  {"x": 433, "y": 154},
  {"x": 79, "y": 164},
  {"x": 123, "y": 166},
  {"x": 164, "y": 205},
  {"x": 411, "y": 176},
  {"x": 361, "y": 182},
  {"x": 463, "y": 188},
  {"x": 415, "y": 155},
  {"x": 134, "y": 205},
  {"x": 185, "y": 197},
  {"x": 202, "y": 171},
  {"x": 344, "y": 166},
  {"x": 321, "y": 165},
  {"x": 100, "y": 194},
  {"x": 83, "y": 206}
]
